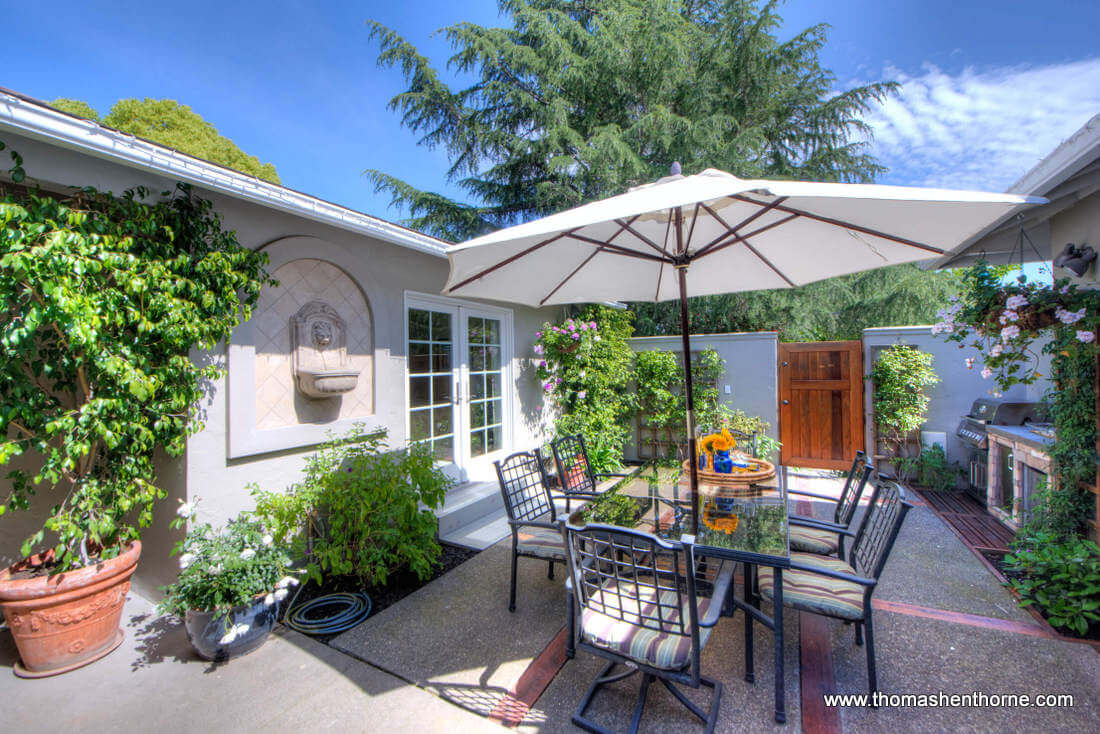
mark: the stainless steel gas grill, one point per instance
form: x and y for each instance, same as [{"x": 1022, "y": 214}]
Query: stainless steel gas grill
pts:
[{"x": 972, "y": 432}]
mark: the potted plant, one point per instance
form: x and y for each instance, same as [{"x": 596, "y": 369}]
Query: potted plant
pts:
[
  {"x": 103, "y": 300},
  {"x": 229, "y": 587}
]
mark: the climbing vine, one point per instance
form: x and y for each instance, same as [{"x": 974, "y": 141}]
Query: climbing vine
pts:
[{"x": 103, "y": 300}]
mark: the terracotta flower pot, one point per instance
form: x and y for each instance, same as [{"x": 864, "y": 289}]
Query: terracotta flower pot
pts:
[{"x": 65, "y": 621}]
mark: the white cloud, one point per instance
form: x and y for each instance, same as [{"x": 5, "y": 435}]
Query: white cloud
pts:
[{"x": 980, "y": 129}]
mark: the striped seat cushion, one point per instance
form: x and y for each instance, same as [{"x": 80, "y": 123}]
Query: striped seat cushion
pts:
[
  {"x": 816, "y": 593},
  {"x": 540, "y": 542},
  {"x": 666, "y": 649},
  {"x": 814, "y": 540}
]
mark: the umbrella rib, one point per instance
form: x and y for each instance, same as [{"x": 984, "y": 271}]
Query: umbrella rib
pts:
[
  {"x": 845, "y": 225},
  {"x": 694, "y": 219},
  {"x": 566, "y": 278},
  {"x": 664, "y": 248},
  {"x": 736, "y": 238},
  {"x": 768, "y": 262},
  {"x": 511, "y": 259},
  {"x": 617, "y": 249},
  {"x": 639, "y": 235},
  {"x": 733, "y": 230}
]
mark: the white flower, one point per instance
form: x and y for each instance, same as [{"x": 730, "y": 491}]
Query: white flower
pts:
[
  {"x": 1009, "y": 315},
  {"x": 937, "y": 328},
  {"x": 286, "y": 581},
  {"x": 1069, "y": 317},
  {"x": 997, "y": 349},
  {"x": 1015, "y": 302},
  {"x": 214, "y": 570},
  {"x": 986, "y": 373},
  {"x": 597, "y": 337},
  {"x": 1085, "y": 336},
  {"x": 280, "y": 594},
  {"x": 1010, "y": 332},
  {"x": 186, "y": 510},
  {"x": 267, "y": 540},
  {"x": 187, "y": 559},
  {"x": 247, "y": 553},
  {"x": 1064, "y": 290},
  {"x": 269, "y": 600},
  {"x": 970, "y": 363}
]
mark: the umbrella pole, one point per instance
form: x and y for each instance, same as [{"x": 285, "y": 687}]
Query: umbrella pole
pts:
[{"x": 693, "y": 459}]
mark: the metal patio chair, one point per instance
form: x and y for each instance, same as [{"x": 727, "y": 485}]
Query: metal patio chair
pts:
[
  {"x": 812, "y": 535},
  {"x": 531, "y": 513},
  {"x": 636, "y": 605},
  {"x": 575, "y": 474},
  {"x": 842, "y": 588}
]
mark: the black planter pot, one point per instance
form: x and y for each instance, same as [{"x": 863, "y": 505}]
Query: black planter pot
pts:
[{"x": 206, "y": 630}]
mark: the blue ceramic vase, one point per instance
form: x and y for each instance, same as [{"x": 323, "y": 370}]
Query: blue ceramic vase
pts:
[{"x": 723, "y": 464}]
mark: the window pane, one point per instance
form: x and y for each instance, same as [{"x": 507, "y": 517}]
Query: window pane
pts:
[
  {"x": 441, "y": 327},
  {"x": 492, "y": 358},
  {"x": 477, "y": 415},
  {"x": 492, "y": 331},
  {"x": 441, "y": 358},
  {"x": 493, "y": 412},
  {"x": 477, "y": 385},
  {"x": 476, "y": 331},
  {"x": 477, "y": 358},
  {"x": 492, "y": 441},
  {"x": 419, "y": 391},
  {"x": 442, "y": 418},
  {"x": 444, "y": 449},
  {"x": 441, "y": 389},
  {"x": 421, "y": 424},
  {"x": 477, "y": 443},
  {"x": 418, "y": 324},
  {"x": 492, "y": 385},
  {"x": 419, "y": 359}
]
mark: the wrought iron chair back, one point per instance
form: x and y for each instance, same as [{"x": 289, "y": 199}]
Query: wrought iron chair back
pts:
[
  {"x": 571, "y": 458},
  {"x": 879, "y": 528},
  {"x": 744, "y": 440},
  {"x": 853, "y": 489},
  {"x": 633, "y": 577},
  {"x": 523, "y": 484}
]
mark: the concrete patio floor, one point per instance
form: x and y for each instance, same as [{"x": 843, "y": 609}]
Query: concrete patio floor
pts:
[{"x": 943, "y": 623}]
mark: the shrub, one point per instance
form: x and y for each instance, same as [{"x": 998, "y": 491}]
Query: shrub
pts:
[
  {"x": 1057, "y": 512},
  {"x": 103, "y": 300},
  {"x": 929, "y": 468},
  {"x": 612, "y": 508},
  {"x": 1061, "y": 578},
  {"x": 220, "y": 570},
  {"x": 362, "y": 510},
  {"x": 585, "y": 367},
  {"x": 899, "y": 376}
]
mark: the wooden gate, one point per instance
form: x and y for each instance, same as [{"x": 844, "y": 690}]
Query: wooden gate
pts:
[{"x": 820, "y": 403}]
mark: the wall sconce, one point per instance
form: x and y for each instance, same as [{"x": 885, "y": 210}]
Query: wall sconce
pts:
[{"x": 1075, "y": 259}]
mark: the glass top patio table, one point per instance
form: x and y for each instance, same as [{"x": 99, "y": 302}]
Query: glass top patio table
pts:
[{"x": 739, "y": 520}]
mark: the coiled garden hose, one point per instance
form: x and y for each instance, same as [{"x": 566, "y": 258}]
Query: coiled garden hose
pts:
[{"x": 307, "y": 618}]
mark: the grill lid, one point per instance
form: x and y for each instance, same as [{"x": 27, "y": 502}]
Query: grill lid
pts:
[{"x": 1003, "y": 413}]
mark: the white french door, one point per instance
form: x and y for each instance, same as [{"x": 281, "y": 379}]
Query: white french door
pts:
[{"x": 459, "y": 373}]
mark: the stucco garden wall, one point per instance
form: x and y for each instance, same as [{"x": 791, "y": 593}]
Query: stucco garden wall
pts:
[
  {"x": 958, "y": 388},
  {"x": 751, "y": 374}
]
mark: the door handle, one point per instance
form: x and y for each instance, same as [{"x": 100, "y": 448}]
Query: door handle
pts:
[
  {"x": 784, "y": 364},
  {"x": 786, "y": 402}
]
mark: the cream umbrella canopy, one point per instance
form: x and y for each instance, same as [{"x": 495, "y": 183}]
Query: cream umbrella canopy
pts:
[{"x": 713, "y": 233}]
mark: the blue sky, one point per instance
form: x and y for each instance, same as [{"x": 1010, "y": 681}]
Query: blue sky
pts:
[{"x": 988, "y": 87}]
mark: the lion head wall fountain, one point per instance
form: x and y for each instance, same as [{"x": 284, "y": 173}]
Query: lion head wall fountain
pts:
[{"x": 320, "y": 347}]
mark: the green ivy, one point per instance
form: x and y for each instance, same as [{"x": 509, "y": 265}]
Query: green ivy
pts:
[{"x": 104, "y": 299}]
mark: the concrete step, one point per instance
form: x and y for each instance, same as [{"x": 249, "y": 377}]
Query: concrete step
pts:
[
  {"x": 469, "y": 503},
  {"x": 481, "y": 533}
]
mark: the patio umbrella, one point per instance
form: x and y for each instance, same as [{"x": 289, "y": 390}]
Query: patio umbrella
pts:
[{"x": 712, "y": 233}]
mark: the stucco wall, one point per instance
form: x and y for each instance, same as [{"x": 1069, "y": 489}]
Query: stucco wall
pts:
[
  {"x": 958, "y": 388},
  {"x": 383, "y": 271},
  {"x": 751, "y": 370}
]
